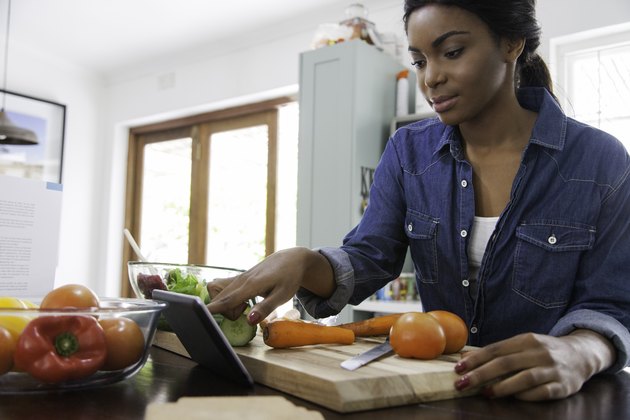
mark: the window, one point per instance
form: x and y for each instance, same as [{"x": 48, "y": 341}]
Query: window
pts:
[
  {"x": 165, "y": 197},
  {"x": 593, "y": 77},
  {"x": 217, "y": 189},
  {"x": 240, "y": 190}
]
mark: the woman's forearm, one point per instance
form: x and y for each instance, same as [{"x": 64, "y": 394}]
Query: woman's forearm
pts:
[{"x": 318, "y": 276}]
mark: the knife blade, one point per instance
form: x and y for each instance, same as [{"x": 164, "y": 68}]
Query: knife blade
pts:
[{"x": 367, "y": 356}]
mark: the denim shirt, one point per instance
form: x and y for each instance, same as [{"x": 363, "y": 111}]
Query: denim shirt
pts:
[{"x": 558, "y": 259}]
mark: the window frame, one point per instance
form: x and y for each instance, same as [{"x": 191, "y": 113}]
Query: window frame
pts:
[
  {"x": 563, "y": 46},
  {"x": 199, "y": 128}
]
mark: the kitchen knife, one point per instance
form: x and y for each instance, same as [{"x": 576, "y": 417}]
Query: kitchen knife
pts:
[{"x": 367, "y": 356}]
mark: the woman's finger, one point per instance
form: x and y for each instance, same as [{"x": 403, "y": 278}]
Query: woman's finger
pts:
[
  {"x": 216, "y": 286},
  {"x": 232, "y": 298},
  {"x": 500, "y": 361},
  {"x": 521, "y": 382},
  {"x": 517, "y": 345},
  {"x": 266, "y": 306},
  {"x": 492, "y": 370},
  {"x": 545, "y": 392}
]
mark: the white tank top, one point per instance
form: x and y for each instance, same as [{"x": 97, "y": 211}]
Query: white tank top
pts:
[{"x": 477, "y": 241}]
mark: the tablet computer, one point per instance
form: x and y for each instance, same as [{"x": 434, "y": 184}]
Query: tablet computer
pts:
[{"x": 201, "y": 336}]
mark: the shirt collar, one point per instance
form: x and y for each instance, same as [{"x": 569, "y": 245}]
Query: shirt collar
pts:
[{"x": 549, "y": 130}]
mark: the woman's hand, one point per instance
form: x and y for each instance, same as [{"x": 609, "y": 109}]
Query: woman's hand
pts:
[
  {"x": 277, "y": 279},
  {"x": 535, "y": 367}
]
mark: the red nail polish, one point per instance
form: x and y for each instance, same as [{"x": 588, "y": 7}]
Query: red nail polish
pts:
[
  {"x": 462, "y": 383},
  {"x": 460, "y": 366},
  {"x": 253, "y": 317}
]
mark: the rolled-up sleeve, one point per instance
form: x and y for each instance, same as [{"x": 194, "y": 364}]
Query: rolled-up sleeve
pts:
[
  {"x": 319, "y": 307},
  {"x": 602, "y": 324}
]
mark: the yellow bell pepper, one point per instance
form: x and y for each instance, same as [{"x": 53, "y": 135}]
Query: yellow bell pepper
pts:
[
  {"x": 13, "y": 323},
  {"x": 29, "y": 304}
]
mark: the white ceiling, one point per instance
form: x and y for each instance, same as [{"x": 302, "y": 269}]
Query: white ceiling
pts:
[{"x": 107, "y": 35}]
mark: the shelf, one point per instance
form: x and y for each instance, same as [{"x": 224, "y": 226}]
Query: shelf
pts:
[{"x": 388, "y": 306}]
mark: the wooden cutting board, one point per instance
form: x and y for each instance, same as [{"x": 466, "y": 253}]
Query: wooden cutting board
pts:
[{"x": 314, "y": 374}]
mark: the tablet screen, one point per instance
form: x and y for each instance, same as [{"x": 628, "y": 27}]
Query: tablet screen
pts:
[{"x": 201, "y": 336}]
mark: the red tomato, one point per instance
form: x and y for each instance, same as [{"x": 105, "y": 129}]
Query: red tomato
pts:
[
  {"x": 70, "y": 296},
  {"x": 7, "y": 349},
  {"x": 417, "y": 335},
  {"x": 125, "y": 343},
  {"x": 454, "y": 328}
]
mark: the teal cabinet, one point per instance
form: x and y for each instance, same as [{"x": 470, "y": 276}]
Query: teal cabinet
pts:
[{"x": 347, "y": 104}]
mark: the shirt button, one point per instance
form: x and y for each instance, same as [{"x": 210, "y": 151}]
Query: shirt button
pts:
[
  {"x": 410, "y": 227},
  {"x": 473, "y": 330},
  {"x": 464, "y": 183},
  {"x": 552, "y": 239},
  {"x": 463, "y": 233},
  {"x": 465, "y": 283}
]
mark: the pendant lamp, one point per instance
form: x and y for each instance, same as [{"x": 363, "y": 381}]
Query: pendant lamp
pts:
[{"x": 9, "y": 132}]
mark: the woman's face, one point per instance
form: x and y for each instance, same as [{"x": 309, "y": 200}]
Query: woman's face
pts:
[{"x": 463, "y": 71}]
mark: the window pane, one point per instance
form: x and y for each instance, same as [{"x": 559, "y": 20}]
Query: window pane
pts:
[
  {"x": 166, "y": 200},
  {"x": 237, "y": 197},
  {"x": 599, "y": 88},
  {"x": 615, "y": 82},
  {"x": 584, "y": 86}
]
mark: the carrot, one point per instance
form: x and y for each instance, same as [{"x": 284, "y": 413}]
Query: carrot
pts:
[
  {"x": 373, "y": 326},
  {"x": 283, "y": 333}
]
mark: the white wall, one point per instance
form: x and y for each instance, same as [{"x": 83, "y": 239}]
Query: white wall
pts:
[
  {"x": 250, "y": 68},
  {"x": 564, "y": 17},
  {"x": 37, "y": 74}
]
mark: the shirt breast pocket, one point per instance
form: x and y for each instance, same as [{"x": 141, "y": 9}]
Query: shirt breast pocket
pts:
[
  {"x": 421, "y": 230},
  {"x": 546, "y": 260}
]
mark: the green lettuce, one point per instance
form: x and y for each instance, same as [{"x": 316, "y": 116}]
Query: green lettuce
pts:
[{"x": 189, "y": 285}]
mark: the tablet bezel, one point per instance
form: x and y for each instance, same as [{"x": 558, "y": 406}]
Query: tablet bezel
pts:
[{"x": 202, "y": 337}]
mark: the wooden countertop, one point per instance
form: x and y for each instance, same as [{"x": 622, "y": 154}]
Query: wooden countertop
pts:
[{"x": 166, "y": 377}]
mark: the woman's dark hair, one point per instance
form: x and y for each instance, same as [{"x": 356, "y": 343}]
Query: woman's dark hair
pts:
[{"x": 510, "y": 19}]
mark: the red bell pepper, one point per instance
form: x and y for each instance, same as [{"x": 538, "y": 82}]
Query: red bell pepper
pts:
[{"x": 61, "y": 348}]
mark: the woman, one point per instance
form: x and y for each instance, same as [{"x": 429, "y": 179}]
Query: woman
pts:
[{"x": 516, "y": 216}]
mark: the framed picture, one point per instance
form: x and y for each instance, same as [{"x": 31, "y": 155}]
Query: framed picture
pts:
[{"x": 42, "y": 160}]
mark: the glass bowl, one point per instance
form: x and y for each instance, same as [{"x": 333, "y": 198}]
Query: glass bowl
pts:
[
  {"x": 146, "y": 276},
  {"x": 145, "y": 313}
]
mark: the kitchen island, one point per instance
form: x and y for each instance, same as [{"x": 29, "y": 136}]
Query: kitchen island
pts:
[{"x": 167, "y": 376}]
